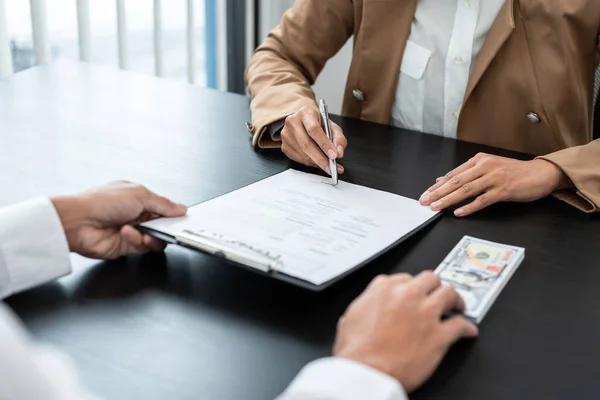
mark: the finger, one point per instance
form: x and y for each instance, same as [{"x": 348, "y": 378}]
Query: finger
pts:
[
  {"x": 447, "y": 186},
  {"x": 427, "y": 282},
  {"x": 400, "y": 279},
  {"x": 290, "y": 148},
  {"x": 293, "y": 154},
  {"x": 340, "y": 168},
  {"x": 288, "y": 135},
  {"x": 456, "y": 171},
  {"x": 132, "y": 240},
  {"x": 313, "y": 127},
  {"x": 153, "y": 244},
  {"x": 144, "y": 217},
  {"x": 425, "y": 198},
  {"x": 162, "y": 206},
  {"x": 456, "y": 328},
  {"x": 141, "y": 242},
  {"x": 378, "y": 280},
  {"x": 484, "y": 200},
  {"x": 462, "y": 192},
  {"x": 132, "y": 236},
  {"x": 339, "y": 140},
  {"x": 377, "y": 283},
  {"x": 315, "y": 155},
  {"x": 308, "y": 148},
  {"x": 445, "y": 299}
]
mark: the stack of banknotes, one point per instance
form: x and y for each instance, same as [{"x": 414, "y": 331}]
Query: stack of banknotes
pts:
[{"x": 479, "y": 270}]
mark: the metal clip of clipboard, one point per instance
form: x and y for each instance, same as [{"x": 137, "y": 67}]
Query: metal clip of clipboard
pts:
[{"x": 213, "y": 247}]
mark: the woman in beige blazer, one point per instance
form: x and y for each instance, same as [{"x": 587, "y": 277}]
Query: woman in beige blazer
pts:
[{"x": 530, "y": 89}]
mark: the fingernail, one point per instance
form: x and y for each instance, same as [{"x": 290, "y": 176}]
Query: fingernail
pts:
[
  {"x": 459, "y": 213},
  {"x": 182, "y": 207},
  {"x": 425, "y": 197},
  {"x": 340, "y": 169},
  {"x": 332, "y": 154},
  {"x": 437, "y": 205},
  {"x": 341, "y": 151}
]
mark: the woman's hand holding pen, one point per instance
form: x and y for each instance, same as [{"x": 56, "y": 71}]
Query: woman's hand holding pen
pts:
[{"x": 305, "y": 141}]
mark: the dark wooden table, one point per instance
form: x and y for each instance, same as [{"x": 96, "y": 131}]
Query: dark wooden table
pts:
[{"x": 186, "y": 326}]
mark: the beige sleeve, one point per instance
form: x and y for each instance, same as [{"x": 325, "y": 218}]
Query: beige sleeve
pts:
[
  {"x": 582, "y": 165},
  {"x": 282, "y": 70}
]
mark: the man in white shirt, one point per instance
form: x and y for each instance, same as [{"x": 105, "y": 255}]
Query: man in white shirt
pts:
[{"x": 389, "y": 341}]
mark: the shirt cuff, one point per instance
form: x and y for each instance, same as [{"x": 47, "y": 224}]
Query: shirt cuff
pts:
[
  {"x": 339, "y": 378},
  {"x": 275, "y": 130},
  {"x": 33, "y": 246}
]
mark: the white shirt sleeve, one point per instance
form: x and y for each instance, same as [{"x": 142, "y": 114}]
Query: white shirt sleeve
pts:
[
  {"x": 31, "y": 372},
  {"x": 275, "y": 130},
  {"x": 33, "y": 246},
  {"x": 342, "y": 379},
  {"x": 33, "y": 250}
]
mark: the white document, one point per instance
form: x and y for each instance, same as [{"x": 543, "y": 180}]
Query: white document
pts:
[{"x": 299, "y": 224}]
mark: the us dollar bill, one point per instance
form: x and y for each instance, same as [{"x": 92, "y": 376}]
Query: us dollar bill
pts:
[{"x": 478, "y": 270}]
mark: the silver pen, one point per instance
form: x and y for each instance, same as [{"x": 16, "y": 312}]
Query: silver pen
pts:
[{"x": 327, "y": 128}]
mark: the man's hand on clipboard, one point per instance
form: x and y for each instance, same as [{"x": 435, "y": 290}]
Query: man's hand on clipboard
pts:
[{"x": 100, "y": 223}]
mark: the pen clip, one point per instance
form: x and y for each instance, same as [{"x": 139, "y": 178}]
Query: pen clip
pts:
[{"x": 323, "y": 109}]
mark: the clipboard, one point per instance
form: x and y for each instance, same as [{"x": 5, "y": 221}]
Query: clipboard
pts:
[
  {"x": 208, "y": 225},
  {"x": 273, "y": 273}
]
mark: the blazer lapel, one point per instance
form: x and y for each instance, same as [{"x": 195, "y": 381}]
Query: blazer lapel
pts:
[
  {"x": 497, "y": 36},
  {"x": 381, "y": 53}
]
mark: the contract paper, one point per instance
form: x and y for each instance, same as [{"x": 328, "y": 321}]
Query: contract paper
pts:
[{"x": 306, "y": 227}]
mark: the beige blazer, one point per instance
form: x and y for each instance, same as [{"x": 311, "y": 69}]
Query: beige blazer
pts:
[{"x": 539, "y": 57}]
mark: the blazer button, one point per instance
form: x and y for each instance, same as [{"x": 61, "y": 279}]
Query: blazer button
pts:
[
  {"x": 533, "y": 118},
  {"x": 249, "y": 126},
  {"x": 358, "y": 95}
]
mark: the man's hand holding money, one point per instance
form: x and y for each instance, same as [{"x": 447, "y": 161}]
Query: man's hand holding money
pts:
[{"x": 396, "y": 327}]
